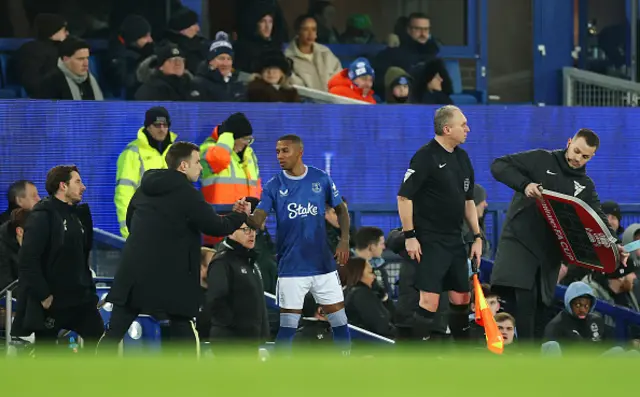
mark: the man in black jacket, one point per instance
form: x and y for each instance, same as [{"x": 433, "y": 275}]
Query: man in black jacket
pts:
[
  {"x": 160, "y": 269},
  {"x": 53, "y": 264},
  {"x": 528, "y": 257},
  {"x": 235, "y": 297},
  {"x": 21, "y": 194},
  {"x": 164, "y": 78}
]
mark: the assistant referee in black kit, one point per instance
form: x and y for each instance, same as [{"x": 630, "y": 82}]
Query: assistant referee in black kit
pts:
[{"x": 436, "y": 196}]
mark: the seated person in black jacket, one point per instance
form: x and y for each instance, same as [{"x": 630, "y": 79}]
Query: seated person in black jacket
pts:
[
  {"x": 364, "y": 307},
  {"x": 164, "y": 78},
  {"x": 235, "y": 296},
  {"x": 216, "y": 80},
  {"x": 71, "y": 79},
  {"x": 577, "y": 324}
]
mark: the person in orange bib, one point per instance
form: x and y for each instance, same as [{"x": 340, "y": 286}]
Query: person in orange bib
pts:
[{"x": 230, "y": 166}]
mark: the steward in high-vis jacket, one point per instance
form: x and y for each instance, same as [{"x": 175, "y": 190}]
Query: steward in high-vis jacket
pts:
[
  {"x": 229, "y": 164},
  {"x": 528, "y": 254},
  {"x": 147, "y": 152},
  {"x": 230, "y": 167}
]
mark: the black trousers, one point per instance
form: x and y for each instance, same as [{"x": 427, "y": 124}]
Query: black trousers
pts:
[
  {"x": 527, "y": 308},
  {"x": 85, "y": 320},
  {"x": 179, "y": 335}
]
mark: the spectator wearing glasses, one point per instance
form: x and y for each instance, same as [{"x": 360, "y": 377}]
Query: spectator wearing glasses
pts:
[
  {"x": 147, "y": 152},
  {"x": 235, "y": 295},
  {"x": 416, "y": 48}
]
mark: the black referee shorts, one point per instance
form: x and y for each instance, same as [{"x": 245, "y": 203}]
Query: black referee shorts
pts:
[{"x": 443, "y": 267}]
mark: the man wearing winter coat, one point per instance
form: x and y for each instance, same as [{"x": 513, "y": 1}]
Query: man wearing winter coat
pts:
[
  {"x": 528, "y": 255},
  {"x": 235, "y": 295},
  {"x": 160, "y": 268}
]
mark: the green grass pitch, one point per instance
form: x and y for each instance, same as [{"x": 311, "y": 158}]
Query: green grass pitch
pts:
[{"x": 316, "y": 373}]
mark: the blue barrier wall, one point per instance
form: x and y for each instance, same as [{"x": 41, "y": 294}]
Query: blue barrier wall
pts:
[{"x": 369, "y": 146}]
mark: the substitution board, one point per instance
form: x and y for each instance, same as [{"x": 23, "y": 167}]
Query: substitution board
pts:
[{"x": 584, "y": 239}]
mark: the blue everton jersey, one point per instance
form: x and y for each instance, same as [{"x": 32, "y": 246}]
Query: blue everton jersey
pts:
[{"x": 299, "y": 205}]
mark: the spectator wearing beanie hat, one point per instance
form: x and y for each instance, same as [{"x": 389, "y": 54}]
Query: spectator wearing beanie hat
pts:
[
  {"x": 127, "y": 50},
  {"x": 614, "y": 216},
  {"x": 183, "y": 32},
  {"x": 37, "y": 58},
  {"x": 397, "y": 85},
  {"x": 355, "y": 82},
  {"x": 147, "y": 152},
  {"x": 216, "y": 80},
  {"x": 272, "y": 84},
  {"x": 164, "y": 78}
]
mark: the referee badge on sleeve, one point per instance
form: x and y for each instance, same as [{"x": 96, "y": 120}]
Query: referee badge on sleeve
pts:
[
  {"x": 466, "y": 184},
  {"x": 408, "y": 174}
]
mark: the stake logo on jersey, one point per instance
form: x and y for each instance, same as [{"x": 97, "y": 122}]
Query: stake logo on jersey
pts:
[{"x": 299, "y": 204}]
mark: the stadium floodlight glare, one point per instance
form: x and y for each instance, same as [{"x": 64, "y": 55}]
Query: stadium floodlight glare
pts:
[{"x": 135, "y": 330}]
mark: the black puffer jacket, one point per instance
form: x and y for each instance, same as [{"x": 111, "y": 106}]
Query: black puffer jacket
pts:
[
  {"x": 214, "y": 88},
  {"x": 156, "y": 86}
]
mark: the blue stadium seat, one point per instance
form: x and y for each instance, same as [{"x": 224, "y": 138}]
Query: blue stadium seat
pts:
[
  {"x": 7, "y": 93},
  {"x": 10, "y": 82},
  {"x": 460, "y": 96},
  {"x": 94, "y": 67}
]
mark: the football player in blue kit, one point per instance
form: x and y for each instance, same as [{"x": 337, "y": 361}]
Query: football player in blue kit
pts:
[{"x": 298, "y": 196}]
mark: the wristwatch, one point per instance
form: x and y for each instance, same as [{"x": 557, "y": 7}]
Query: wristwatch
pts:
[
  {"x": 477, "y": 236},
  {"x": 409, "y": 234}
]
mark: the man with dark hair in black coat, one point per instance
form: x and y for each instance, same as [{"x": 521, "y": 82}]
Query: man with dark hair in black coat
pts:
[
  {"x": 56, "y": 288},
  {"x": 160, "y": 268},
  {"x": 528, "y": 256}
]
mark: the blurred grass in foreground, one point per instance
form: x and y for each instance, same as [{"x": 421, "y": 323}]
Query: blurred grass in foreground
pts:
[{"x": 314, "y": 373}]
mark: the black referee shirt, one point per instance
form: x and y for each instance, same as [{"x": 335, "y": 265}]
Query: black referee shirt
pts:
[{"x": 438, "y": 183}]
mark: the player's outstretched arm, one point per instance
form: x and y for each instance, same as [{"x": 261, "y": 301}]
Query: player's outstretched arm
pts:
[
  {"x": 516, "y": 170},
  {"x": 256, "y": 220}
]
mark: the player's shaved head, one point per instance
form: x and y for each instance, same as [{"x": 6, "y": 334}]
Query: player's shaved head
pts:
[
  {"x": 289, "y": 151},
  {"x": 291, "y": 138}
]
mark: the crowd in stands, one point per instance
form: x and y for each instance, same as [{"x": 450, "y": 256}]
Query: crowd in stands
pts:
[{"x": 256, "y": 62}]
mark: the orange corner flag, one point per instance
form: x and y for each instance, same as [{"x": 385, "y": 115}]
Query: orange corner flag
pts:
[{"x": 484, "y": 318}]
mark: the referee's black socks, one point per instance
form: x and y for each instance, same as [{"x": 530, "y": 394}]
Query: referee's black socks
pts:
[
  {"x": 459, "y": 322},
  {"x": 423, "y": 323}
]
